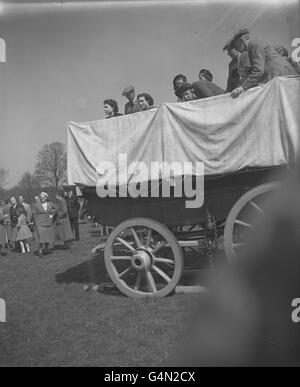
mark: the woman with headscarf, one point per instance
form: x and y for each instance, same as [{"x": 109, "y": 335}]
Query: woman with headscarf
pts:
[
  {"x": 43, "y": 217},
  {"x": 62, "y": 226}
]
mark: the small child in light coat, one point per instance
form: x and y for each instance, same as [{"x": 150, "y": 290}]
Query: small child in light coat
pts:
[{"x": 23, "y": 231}]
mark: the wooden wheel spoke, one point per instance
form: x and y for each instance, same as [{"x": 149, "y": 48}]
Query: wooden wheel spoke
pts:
[
  {"x": 159, "y": 246},
  {"x": 128, "y": 245},
  {"x": 136, "y": 238},
  {"x": 161, "y": 273},
  {"x": 242, "y": 223},
  {"x": 124, "y": 272},
  {"x": 138, "y": 280},
  {"x": 256, "y": 206},
  {"x": 164, "y": 260},
  {"x": 151, "y": 283},
  {"x": 120, "y": 258},
  {"x": 149, "y": 236}
]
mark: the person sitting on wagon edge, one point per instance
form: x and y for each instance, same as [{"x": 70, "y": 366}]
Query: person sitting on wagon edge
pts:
[
  {"x": 132, "y": 106},
  {"x": 146, "y": 101},
  {"x": 265, "y": 62},
  {"x": 111, "y": 108}
]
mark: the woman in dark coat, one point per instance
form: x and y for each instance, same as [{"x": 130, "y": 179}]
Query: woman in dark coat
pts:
[
  {"x": 43, "y": 213},
  {"x": 62, "y": 226}
]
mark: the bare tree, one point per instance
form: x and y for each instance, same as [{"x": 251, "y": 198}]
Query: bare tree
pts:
[
  {"x": 51, "y": 165},
  {"x": 3, "y": 177},
  {"x": 28, "y": 186},
  {"x": 28, "y": 182}
]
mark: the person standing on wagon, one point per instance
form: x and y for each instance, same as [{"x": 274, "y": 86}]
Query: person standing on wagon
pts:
[
  {"x": 62, "y": 227},
  {"x": 43, "y": 217},
  {"x": 265, "y": 62},
  {"x": 23, "y": 232},
  {"x": 73, "y": 212},
  {"x": 133, "y": 105}
]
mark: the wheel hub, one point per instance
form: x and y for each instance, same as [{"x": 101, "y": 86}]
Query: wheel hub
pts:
[{"x": 141, "y": 260}]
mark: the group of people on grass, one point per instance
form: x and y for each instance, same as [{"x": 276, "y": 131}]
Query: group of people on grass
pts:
[
  {"x": 47, "y": 222},
  {"x": 253, "y": 62}
]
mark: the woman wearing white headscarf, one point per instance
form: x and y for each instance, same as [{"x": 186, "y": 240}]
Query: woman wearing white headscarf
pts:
[{"x": 43, "y": 218}]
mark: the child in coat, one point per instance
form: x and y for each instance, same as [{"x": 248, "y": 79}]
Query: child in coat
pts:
[{"x": 23, "y": 232}]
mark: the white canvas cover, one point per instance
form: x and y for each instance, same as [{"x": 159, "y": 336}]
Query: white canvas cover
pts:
[{"x": 260, "y": 128}]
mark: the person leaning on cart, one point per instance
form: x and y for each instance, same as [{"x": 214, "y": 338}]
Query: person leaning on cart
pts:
[
  {"x": 265, "y": 62},
  {"x": 132, "y": 106}
]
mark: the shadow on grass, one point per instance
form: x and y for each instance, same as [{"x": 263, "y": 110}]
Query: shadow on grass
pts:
[{"x": 93, "y": 271}]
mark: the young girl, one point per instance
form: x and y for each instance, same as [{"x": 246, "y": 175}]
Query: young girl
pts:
[{"x": 23, "y": 232}]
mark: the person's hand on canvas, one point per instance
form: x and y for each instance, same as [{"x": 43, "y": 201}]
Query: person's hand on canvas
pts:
[{"x": 237, "y": 92}]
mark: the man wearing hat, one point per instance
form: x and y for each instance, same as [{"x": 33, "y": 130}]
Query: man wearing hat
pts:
[
  {"x": 238, "y": 67},
  {"x": 265, "y": 62},
  {"x": 132, "y": 106}
]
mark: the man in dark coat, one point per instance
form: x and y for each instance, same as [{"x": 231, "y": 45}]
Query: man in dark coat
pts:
[
  {"x": 73, "y": 212},
  {"x": 132, "y": 106},
  {"x": 239, "y": 67},
  {"x": 205, "y": 89},
  {"x": 265, "y": 62}
]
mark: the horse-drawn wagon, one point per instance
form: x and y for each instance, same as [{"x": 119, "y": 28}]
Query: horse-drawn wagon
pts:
[{"x": 243, "y": 144}]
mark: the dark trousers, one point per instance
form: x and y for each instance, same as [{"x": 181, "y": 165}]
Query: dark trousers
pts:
[{"x": 75, "y": 227}]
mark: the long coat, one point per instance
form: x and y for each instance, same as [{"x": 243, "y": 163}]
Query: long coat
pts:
[
  {"x": 14, "y": 220},
  {"x": 2, "y": 228},
  {"x": 73, "y": 206},
  {"x": 44, "y": 222},
  {"x": 265, "y": 64},
  {"x": 62, "y": 226},
  {"x": 23, "y": 232}
]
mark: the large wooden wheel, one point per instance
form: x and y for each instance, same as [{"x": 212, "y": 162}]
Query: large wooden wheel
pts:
[
  {"x": 143, "y": 258},
  {"x": 243, "y": 216}
]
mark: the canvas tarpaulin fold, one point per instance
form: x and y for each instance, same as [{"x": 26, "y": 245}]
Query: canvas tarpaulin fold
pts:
[{"x": 260, "y": 128}]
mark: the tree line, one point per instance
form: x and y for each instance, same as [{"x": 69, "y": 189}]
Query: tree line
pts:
[{"x": 50, "y": 173}]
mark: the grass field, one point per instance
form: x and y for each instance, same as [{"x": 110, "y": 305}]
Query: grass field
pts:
[{"x": 52, "y": 321}]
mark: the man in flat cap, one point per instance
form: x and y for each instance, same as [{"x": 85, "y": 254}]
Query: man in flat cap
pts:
[
  {"x": 238, "y": 67},
  {"x": 265, "y": 62},
  {"x": 132, "y": 106}
]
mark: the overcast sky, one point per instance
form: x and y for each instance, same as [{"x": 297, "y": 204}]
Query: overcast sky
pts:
[{"x": 63, "y": 60}]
